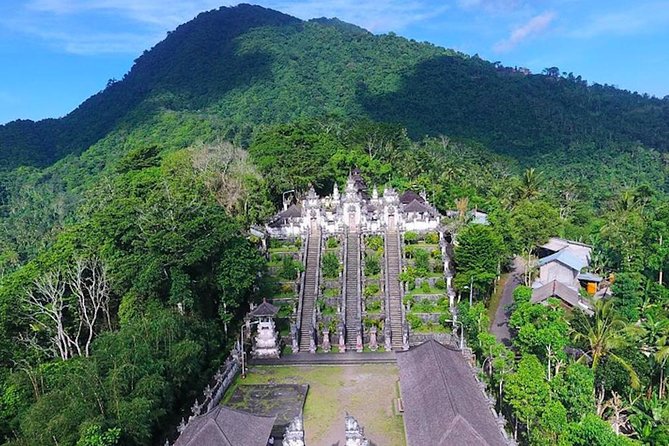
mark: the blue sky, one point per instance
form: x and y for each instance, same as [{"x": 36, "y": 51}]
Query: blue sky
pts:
[{"x": 56, "y": 53}]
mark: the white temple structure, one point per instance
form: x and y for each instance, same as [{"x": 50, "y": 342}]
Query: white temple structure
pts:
[{"x": 356, "y": 211}]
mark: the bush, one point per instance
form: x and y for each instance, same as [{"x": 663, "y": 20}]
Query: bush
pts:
[
  {"x": 522, "y": 294},
  {"x": 440, "y": 283},
  {"x": 414, "y": 321},
  {"x": 374, "y": 242},
  {"x": 371, "y": 290},
  {"x": 332, "y": 242},
  {"x": 410, "y": 237},
  {"x": 422, "y": 262},
  {"x": 373, "y": 306},
  {"x": 425, "y": 287},
  {"x": 432, "y": 238},
  {"x": 424, "y": 306},
  {"x": 289, "y": 268},
  {"x": 330, "y": 265},
  {"x": 436, "y": 254},
  {"x": 372, "y": 265}
]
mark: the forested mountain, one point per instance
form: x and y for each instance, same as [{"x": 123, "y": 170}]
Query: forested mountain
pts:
[
  {"x": 149, "y": 188},
  {"x": 249, "y": 65}
]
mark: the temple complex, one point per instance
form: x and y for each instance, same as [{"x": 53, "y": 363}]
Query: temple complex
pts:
[{"x": 350, "y": 218}]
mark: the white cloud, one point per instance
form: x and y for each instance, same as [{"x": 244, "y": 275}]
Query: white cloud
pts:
[{"x": 535, "y": 26}]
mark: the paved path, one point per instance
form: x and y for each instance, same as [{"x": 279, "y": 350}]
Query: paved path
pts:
[
  {"x": 330, "y": 359},
  {"x": 500, "y": 325}
]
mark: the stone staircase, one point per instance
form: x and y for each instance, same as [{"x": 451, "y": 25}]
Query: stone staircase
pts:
[
  {"x": 393, "y": 290},
  {"x": 310, "y": 287},
  {"x": 352, "y": 289}
]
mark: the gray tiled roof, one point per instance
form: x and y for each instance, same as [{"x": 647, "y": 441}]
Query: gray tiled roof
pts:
[
  {"x": 264, "y": 309},
  {"x": 443, "y": 403},
  {"x": 558, "y": 289},
  {"x": 227, "y": 427},
  {"x": 417, "y": 206},
  {"x": 409, "y": 196}
]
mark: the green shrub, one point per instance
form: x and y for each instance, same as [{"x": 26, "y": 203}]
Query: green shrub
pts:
[
  {"x": 372, "y": 265},
  {"x": 522, "y": 294},
  {"x": 438, "y": 267},
  {"x": 410, "y": 237},
  {"x": 371, "y": 290},
  {"x": 440, "y": 283},
  {"x": 374, "y": 242},
  {"x": 436, "y": 254},
  {"x": 373, "y": 306},
  {"x": 425, "y": 287},
  {"x": 424, "y": 306},
  {"x": 332, "y": 242},
  {"x": 289, "y": 268},
  {"x": 422, "y": 262},
  {"x": 414, "y": 321},
  {"x": 276, "y": 258},
  {"x": 330, "y": 265},
  {"x": 432, "y": 238}
]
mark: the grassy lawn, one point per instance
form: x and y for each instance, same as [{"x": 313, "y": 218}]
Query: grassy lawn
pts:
[
  {"x": 365, "y": 391},
  {"x": 496, "y": 297}
]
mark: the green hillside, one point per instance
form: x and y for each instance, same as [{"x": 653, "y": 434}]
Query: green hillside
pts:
[{"x": 249, "y": 65}]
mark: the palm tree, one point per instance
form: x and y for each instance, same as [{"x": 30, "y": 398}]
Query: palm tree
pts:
[
  {"x": 603, "y": 333},
  {"x": 530, "y": 184},
  {"x": 655, "y": 337}
]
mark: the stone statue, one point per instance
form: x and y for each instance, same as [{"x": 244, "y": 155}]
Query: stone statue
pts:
[
  {"x": 312, "y": 345},
  {"x": 342, "y": 340},
  {"x": 358, "y": 343},
  {"x": 293, "y": 336},
  {"x": 355, "y": 433},
  {"x": 326, "y": 340},
  {"x": 294, "y": 435},
  {"x": 387, "y": 342},
  {"x": 373, "y": 344}
]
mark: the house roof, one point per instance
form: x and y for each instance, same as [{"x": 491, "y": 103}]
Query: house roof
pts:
[
  {"x": 265, "y": 309},
  {"x": 417, "y": 206},
  {"x": 589, "y": 277},
  {"x": 409, "y": 196},
  {"x": 566, "y": 258},
  {"x": 557, "y": 243},
  {"x": 557, "y": 289},
  {"x": 223, "y": 426},
  {"x": 293, "y": 211},
  {"x": 443, "y": 403}
]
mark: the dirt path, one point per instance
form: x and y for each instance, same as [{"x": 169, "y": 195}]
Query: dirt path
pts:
[{"x": 500, "y": 325}]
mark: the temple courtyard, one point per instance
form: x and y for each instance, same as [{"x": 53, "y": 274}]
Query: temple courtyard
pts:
[{"x": 366, "y": 391}]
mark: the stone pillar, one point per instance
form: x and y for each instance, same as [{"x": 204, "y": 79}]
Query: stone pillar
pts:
[
  {"x": 373, "y": 345},
  {"x": 342, "y": 340},
  {"x": 358, "y": 343}
]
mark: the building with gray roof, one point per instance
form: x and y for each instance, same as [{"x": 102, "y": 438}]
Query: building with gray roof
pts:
[
  {"x": 227, "y": 427},
  {"x": 443, "y": 402}
]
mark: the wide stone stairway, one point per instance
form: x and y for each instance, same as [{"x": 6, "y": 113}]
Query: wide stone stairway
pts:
[
  {"x": 310, "y": 287},
  {"x": 352, "y": 290},
  {"x": 393, "y": 266}
]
